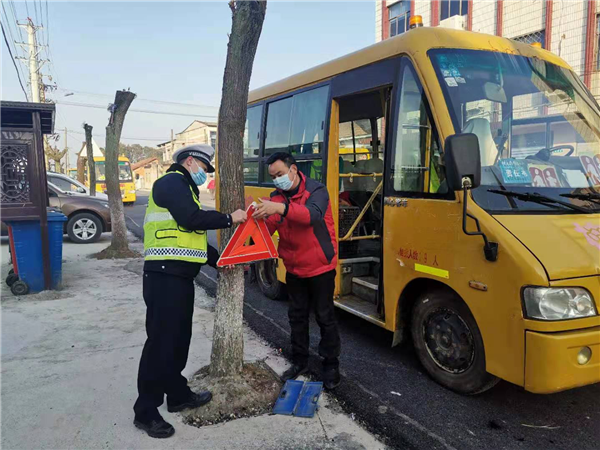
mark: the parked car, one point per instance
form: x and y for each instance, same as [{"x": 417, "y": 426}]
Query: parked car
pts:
[
  {"x": 88, "y": 217},
  {"x": 67, "y": 184}
]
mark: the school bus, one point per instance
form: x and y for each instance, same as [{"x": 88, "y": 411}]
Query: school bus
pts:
[
  {"x": 125, "y": 178},
  {"x": 474, "y": 225}
]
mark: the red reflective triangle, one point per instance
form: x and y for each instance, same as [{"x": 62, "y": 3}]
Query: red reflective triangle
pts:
[{"x": 262, "y": 247}]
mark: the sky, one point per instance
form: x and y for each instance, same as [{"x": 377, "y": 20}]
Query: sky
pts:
[{"x": 167, "y": 52}]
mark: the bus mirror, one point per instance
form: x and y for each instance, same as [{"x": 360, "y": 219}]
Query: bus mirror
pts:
[
  {"x": 463, "y": 162},
  {"x": 463, "y": 171}
]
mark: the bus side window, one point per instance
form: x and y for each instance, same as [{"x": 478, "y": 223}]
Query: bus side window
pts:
[{"x": 416, "y": 160}]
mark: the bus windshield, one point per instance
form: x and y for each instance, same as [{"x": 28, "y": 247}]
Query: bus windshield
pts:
[
  {"x": 538, "y": 129},
  {"x": 124, "y": 171}
]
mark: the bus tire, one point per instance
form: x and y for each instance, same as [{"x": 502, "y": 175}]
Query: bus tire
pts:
[
  {"x": 266, "y": 276},
  {"x": 449, "y": 344}
]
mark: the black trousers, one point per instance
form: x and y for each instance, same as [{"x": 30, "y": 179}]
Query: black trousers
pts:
[
  {"x": 314, "y": 293},
  {"x": 170, "y": 307}
]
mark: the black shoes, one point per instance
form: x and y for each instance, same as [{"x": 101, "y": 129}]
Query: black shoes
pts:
[
  {"x": 331, "y": 378},
  {"x": 194, "y": 401},
  {"x": 293, "y": 372},
  {"x": 156, "y": 428}
]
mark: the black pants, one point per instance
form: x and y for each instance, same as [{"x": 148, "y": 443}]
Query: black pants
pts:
[
  {"x": 314, "y": 293},
  {"x": 170, "y": 307}
]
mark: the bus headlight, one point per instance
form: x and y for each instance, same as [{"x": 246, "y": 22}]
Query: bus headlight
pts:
[{"x": 557, "y": 303}]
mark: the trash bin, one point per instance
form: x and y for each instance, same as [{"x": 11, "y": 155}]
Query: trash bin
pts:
[{"x": 28, "y": 253}]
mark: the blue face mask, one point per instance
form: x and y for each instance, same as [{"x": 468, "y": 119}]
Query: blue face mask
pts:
[
  {"x": 200, "y": 176},
  {"x": 283, "y": 182}
]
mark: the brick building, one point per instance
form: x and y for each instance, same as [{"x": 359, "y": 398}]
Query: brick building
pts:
[{"x": 568, "y": 28}]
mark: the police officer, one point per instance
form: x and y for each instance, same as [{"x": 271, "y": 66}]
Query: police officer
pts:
[{"x": 175, "y": 247}]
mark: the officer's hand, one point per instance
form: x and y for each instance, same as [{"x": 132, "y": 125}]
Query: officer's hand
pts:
[
  {"x": 267, "y": 208},
  {"x": 239, "y": 216}
]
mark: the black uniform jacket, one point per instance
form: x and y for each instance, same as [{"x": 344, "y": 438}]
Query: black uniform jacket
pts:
[{"x": 172, "y": 192}]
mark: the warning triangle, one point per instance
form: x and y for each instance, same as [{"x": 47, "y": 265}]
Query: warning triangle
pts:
[{"x": 262, "y": 247}]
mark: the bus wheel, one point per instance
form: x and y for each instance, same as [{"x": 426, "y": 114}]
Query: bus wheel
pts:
[
  {"x": 449, "y": 344},
  {"x": 266, "y": 275}
]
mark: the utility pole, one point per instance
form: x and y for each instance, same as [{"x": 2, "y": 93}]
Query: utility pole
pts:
[
  {"x": 38, "y": 91},
  {"x": 35, "y": 79}
]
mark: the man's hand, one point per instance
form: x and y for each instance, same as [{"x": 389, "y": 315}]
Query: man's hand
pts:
[
  {"x": 267, "y": 208},
  {"x": 239, "y": 216}
]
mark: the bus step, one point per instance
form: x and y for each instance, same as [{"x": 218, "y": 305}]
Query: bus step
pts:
[
  {"x": 365, "y": 288},
  {"x": 360, "y": 308}
]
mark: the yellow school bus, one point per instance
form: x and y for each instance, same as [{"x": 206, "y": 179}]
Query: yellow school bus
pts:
[
  {"x": 125, "y": 178},
  {"x": 490, "y": 261}
]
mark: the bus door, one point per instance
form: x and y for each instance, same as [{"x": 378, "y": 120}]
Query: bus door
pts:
[
  {"x": 417, "y": 211},
  {"x": 361, "y": 134}
]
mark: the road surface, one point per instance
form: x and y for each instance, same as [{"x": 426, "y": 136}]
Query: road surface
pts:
[
  {"x": 388, "y": 390},
  {"x": 134, "y": 216}
]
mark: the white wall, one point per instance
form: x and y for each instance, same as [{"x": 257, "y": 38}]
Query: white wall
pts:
[{"x": 484, "y": 16}]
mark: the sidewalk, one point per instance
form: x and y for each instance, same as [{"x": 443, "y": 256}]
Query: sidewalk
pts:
[{"x": 69, "y": 364}]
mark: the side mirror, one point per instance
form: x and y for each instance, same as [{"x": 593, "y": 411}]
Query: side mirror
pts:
[
  {"x": 463, "y": 172},
  {"x": 462, "y": 159},
  {"x": 81, "y": 190}
]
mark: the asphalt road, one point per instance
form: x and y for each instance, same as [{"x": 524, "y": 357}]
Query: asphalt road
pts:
[{"x": 388, "y": 391}]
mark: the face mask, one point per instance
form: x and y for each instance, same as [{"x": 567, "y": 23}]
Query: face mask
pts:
[
  {"x": 200, "y": 176},
  {"x": 283, "y": 182}
]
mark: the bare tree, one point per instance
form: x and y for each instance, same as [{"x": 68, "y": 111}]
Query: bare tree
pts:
[
  {"x": 90, "y": 157},
  {"x": 119, "y": 247},
  {"x": 247, "y": 17},
  {"x": 56, "y": 155}
]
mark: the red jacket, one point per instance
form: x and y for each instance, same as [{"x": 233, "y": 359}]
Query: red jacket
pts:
[{"x": 307, "y": 241}]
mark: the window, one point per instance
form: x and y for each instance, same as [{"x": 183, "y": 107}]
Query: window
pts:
[
  {"x": 531, "y": 38},
  {"x": 417, "y": 159},
  {"x": 598, "y": 42},
  {"x": 63, "y": 184},
  {"x": 450, "y": 8},
  {"x": 213, "y": 139},
  {"x": 297, "y": 124},
  {"x": 252, "y": 132},
  {"x": 294, "y": 125},
  {"x": 399, "y": 15},
  {"x": 251, "y": 171}
]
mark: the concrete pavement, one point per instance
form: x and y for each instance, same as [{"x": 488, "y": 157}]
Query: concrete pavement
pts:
[{"x": 69, "y": 364}]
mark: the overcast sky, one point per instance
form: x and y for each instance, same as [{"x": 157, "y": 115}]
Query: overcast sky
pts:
[{"x": 168, "y": 52}]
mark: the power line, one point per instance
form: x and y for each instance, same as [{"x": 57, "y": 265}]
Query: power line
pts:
[
  {"x": 11, "y": 34},
  {"x": 13, "y": 60},
  {"x": 195, "y": 105},
  {"x": 122, "y": 137},
  {"x": 147, "y": 111}
]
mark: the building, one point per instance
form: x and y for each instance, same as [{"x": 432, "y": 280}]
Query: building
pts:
[
  {"x": 198, "y": 132},
  {"x": 568, "y": 28},
  {"x": 146, "y": 172}
]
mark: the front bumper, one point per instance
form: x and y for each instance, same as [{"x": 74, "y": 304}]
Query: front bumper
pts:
[{"x": 551, "y": 360}]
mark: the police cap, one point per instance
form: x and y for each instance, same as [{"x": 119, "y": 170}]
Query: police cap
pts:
[{"x": 202, "y": 152}]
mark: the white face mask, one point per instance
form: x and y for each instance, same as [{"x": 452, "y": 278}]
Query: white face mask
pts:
[{"x": 283, "y": 182}]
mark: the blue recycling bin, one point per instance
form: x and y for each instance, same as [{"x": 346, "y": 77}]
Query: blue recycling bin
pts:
[{"x": 28, "y": 250}]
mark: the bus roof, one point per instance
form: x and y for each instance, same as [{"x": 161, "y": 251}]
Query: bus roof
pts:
[
  {"x": 411, "y": 42},
  {"x": 102, "y": 158}
]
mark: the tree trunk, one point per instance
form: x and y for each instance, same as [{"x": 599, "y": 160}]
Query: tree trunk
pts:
[
  {"x": 81, "y": 160},
  {"x": 90, "y": 156},
  {"x": 123, "y": 99},
  {"x": 247, "y": 20}
]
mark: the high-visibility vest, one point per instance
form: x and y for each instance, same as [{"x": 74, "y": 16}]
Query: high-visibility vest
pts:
[{"x": 164, "y": 239}]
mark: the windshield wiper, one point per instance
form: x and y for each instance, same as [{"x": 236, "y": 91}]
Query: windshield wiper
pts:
[
  {"x": 589, "y": 196},
  {"x": 541, "y": 199}
]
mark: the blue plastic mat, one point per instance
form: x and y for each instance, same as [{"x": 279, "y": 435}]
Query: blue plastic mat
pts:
[{"x": 298, "y": 398}]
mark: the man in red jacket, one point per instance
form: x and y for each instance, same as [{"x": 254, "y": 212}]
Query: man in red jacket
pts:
[{"x": 301, "y": 212}]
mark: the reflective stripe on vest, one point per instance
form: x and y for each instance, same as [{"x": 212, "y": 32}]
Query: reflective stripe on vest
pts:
[{"x": 165, "y": 239}]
